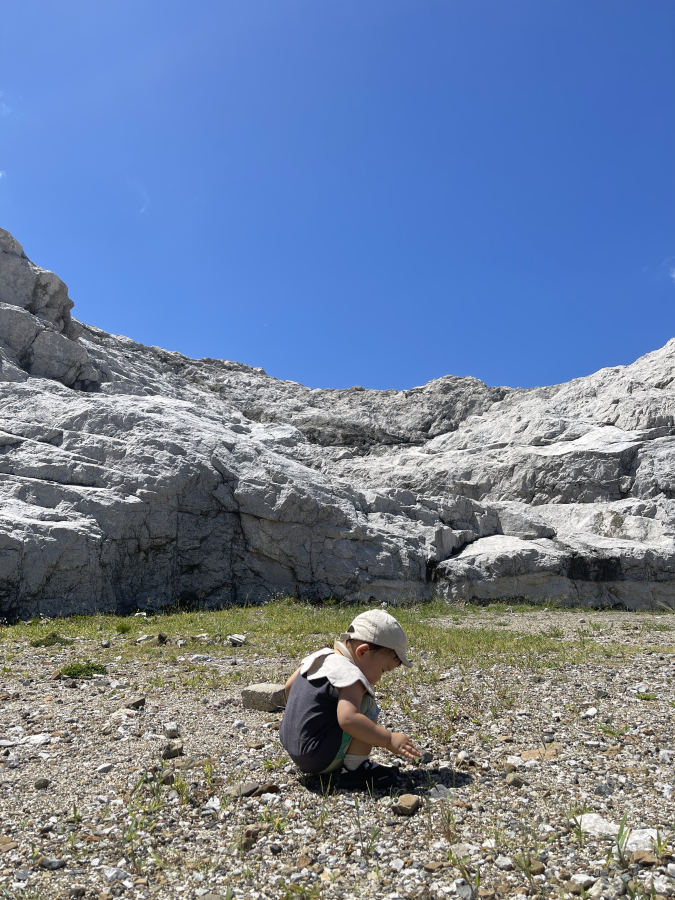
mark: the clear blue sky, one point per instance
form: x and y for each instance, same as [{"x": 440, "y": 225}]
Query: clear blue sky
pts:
[{"x": 373, "y": 192}]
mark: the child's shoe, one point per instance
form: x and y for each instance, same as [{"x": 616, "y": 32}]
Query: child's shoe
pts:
[{"x": 368, "y": 775}]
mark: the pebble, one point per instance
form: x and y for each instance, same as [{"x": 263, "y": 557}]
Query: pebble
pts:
[
  {"x": 42, "y": 784},
  {"x": 171, "y": 729},
  {"x": 104, "y": 768},
  {"x": 589, "y": 713}
]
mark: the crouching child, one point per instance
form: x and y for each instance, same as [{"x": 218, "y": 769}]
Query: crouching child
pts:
[{"x": 330, "y": 722}]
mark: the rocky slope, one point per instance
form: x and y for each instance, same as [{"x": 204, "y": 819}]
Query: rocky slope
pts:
[{"x": 133, "y": 476}]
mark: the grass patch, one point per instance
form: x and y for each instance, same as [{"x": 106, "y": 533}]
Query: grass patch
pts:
[
  {"x": 441, "y": 635},
  {"x": 51, "y": 640},
  {"x": 83, "y": 670}
]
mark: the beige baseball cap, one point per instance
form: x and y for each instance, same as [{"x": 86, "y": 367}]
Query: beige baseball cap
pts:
[{"x": 377, "y": 627}]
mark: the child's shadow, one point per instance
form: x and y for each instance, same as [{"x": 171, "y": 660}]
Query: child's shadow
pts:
[
  {"x": 437, "y": 783},
  {"x": 434, "y": 782}
]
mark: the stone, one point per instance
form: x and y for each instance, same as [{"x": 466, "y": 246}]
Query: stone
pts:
[
  {"x": 113, "y": 873},
  {"x": 589, "y": 713},
  {"x": 504, "y": 863},
  {"x": 407, "y": 804},
  {"x": 454, "y": 489},
  {"x": 105, "y": 645},
  {"x": 171, "y": 729},
  {"x": 41, "y": 784},
  {"x": 237, "y": 640},
  {"x": 644, "y": 858},
  {"x": 173, "y": 749},
  {"x": 104, "y": 768},
  {"x": 641, "y": 839},
  {"x": 514, "y": 780},
  {"x": 440, "y": 792},
  {"x": 267, "y": 788},
  {"x": 264, "y": 697},
  {"x": 46, "y": 862},
  {"x": 537, "y": 867},
  {"x": 665, "y": 757},
  {"x": 433, "y": 866},
  {"x": 136, "y": 703},
  {"x": 583, "y": 880},
  {"x": 596, "y": 825},
  {"x": 77, "y": 890},
  {"x": 247, "y": 789}
]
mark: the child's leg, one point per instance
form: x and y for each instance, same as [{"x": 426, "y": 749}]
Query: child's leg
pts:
[{"x": 358, "y": 751}]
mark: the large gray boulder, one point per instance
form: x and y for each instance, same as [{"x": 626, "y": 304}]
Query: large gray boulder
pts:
[{"x": 134, "y": 476}]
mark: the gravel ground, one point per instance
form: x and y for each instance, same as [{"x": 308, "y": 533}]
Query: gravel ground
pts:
[{"x": 517, "y": 759}]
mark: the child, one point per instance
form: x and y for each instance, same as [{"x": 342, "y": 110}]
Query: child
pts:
[{"x": 331, "y": 713}]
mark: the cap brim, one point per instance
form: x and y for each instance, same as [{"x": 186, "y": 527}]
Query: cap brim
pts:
[{"x": 405, "y": 660}]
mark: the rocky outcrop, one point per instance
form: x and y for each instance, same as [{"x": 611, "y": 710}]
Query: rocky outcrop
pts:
[{"x": 134, "y": 476}]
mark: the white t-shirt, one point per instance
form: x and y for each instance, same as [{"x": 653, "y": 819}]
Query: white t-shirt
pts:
[{"x": 340, "y": 671}]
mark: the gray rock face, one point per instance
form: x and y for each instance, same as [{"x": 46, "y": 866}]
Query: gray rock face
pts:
[{"x": 133, "y": 476}]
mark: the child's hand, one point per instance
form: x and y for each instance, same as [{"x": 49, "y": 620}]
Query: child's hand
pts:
[{"x": 401, "y": 745}]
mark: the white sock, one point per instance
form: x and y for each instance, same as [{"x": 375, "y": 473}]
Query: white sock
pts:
[{"x": 353, "y": 761}]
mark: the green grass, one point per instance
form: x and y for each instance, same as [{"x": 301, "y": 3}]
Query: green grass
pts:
[
  {"x": 440, "y": 635},
  {"x": 82, "y": 670}
]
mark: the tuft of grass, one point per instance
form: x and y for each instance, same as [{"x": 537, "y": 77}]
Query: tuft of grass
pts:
[
  {"x": 51, "y": 640},
  {"x": 123, "y": 627},
  {"x": 647, "y": 697},
  {"x": 83, "y": 670}
]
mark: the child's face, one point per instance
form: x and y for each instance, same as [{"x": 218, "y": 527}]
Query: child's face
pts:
[{"x": 374, "y": 663}]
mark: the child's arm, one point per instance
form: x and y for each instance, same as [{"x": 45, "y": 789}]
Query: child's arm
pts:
[
  {"x": 289, "y": 683},
  {"x": 353, "y": 722}
]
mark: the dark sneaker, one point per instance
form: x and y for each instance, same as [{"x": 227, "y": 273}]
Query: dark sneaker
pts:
[{"x": 368, "y": 775}]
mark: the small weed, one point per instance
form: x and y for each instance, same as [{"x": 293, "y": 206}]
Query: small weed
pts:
[
  {"x": 183, "y": 789},
  {"x": 619, "y": 852},
  {"x": 82, "y": 670},
  {"x": 51, "y": 640},
  {"x": 123, "y": 627},
  {"x": 300, "y": 891},
  {"x": 661, "y": 844},
  {"x": 574, "y": 815},
  {"x": 641, "y": 696},
  {"x": 270, "y": 765},
  {"x": 612, "y": 730}
]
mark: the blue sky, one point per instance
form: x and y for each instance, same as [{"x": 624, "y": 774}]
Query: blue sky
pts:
[{"x": 346, "y": 192}]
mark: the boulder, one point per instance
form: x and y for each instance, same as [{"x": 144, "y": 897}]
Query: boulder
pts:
[{"x": 153, "y": 475}]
